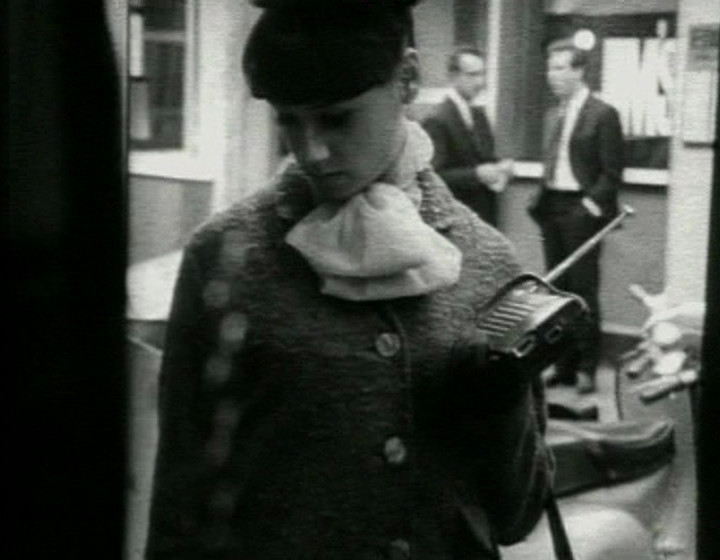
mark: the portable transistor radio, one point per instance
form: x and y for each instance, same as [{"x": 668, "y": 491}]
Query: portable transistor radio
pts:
[{"x": 528, "y": 320}]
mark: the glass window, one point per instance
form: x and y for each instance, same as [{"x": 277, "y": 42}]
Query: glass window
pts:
[{"x": 160, "y": 73}]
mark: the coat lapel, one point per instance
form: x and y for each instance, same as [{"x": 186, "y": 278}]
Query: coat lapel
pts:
[
  {"x": 464, "y": 136},
  {"x": 583, "y": 115}
]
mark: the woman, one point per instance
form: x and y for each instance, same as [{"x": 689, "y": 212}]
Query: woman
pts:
[{"x": 321, "y": 393}]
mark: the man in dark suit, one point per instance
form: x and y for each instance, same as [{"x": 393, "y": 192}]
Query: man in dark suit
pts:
[
  {"x": 583, "y": 156},
  {"x": 464, "y": 145}
]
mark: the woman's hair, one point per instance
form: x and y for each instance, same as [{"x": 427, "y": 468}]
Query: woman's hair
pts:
[{"x": 325, "y": 51}]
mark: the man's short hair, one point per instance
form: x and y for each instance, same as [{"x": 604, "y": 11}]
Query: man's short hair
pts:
[
  {"x": 453, "y": 62},
  {"x": 579, "y": 58}
]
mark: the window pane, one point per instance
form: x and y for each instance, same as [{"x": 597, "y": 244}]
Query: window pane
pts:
[
  {"x": 165, "y": 64},
  {"x": 165, "y": 15},
  {"x": 158, "y": 100}
]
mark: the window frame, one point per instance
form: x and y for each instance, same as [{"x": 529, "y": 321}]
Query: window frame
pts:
[{"x": 182, "y": 163}]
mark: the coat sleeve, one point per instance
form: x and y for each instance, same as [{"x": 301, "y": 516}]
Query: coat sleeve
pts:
[
  {"x": 174, "y": 530},
  {"x": 515, "y": 484},
  {"x": 504, "y": 425},
  {"x": 486, "y": 138},
  {"x": 517, "y": 476},
  {"x": 505, "y": 417},
  {"x": 611, "y": 156}
]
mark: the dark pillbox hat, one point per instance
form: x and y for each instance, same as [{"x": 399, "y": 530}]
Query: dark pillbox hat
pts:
[{"x": 324, "y": 51}]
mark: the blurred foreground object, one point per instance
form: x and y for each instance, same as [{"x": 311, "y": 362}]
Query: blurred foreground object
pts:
[{"x": 64, "y": 223}]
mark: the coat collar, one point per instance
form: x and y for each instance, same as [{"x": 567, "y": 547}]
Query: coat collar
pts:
[
  {"x": 465, "y": 136},
  {"x": 293, "y": 198},
  {"x": 462, "y": 107},
  {"x": 585, "y": 109}
]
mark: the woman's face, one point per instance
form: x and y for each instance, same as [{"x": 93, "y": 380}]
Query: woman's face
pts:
[{"x": 345, "y": 146}]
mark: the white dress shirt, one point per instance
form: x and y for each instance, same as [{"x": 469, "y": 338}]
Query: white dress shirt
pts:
[{"x": 564, "y": 179}]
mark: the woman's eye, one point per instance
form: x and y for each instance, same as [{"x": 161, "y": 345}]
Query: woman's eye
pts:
[{"x": 334, "y": 120}]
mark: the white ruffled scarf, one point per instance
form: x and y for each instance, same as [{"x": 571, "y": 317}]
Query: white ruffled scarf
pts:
[{"x": 375, "y": 246}]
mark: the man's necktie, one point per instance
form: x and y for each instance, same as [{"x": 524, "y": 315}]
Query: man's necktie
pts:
[
  {"x": 553, "y": 147},
  {"x": 474, "y": 132}
]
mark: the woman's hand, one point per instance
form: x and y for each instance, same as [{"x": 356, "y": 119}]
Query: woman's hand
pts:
[
  {"x": 491, "y": 385},
  {"x": 495, "y": 175}
]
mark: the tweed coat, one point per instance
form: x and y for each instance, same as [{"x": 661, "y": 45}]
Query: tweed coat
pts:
[{"x": 297, "y": 425}]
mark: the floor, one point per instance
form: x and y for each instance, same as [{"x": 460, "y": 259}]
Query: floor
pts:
[{"x": 603, "y": 398}]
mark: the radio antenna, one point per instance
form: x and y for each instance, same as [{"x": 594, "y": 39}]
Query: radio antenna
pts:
[{"x": 586, "y": 247}]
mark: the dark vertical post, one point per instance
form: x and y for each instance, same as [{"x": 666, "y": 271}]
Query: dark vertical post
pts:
[
  {"x": 521, "y": 76},
  {"x": 708, "y": 493},
  {"x": 64, "y": 267}
]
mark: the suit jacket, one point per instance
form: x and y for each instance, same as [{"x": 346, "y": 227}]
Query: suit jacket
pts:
[
  {"x": 596, "y": 155},
  {"x": 458, "y": 151}
]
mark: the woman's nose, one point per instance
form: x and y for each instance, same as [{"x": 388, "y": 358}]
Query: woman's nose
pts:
[{"x": 315, "y": 148}]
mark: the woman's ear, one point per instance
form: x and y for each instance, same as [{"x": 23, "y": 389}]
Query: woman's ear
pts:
[{"x": 409, "y": 76}]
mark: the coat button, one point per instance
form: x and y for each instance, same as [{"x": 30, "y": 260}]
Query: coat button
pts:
[
  {"x": 399, "y": 550},
  {"x": 387, "y": 344},
  {"x": 233, "y": 329},
  {"x": 395, "y": 451}
]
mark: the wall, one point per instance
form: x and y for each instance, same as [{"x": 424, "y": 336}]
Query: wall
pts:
[
  {"x": 162, "y": 213},
  {"x": 690, "y": 179},
  {"x": 442, "y": 24},
  {"x": 517, "y": 77},
  {"x": 434, "y": 38},
  {"x": 237, "y": 140}
]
